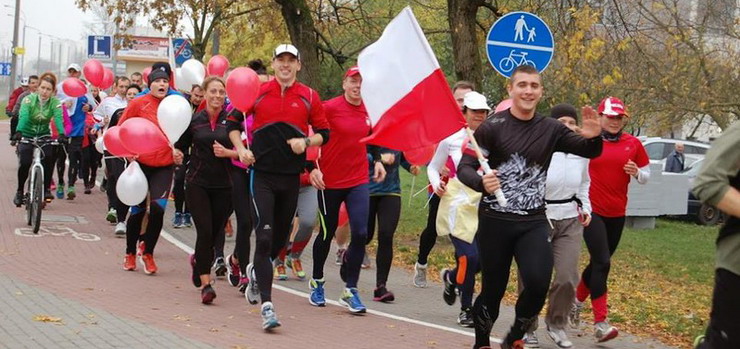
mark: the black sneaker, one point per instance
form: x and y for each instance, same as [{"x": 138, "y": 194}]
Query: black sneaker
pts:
[
  {"x": 48, "y": 196},
  {"x": 18, "y": 199},
  {"x": 219, "y": 267},
  {"x": 381, "y": 294},
  {"x": 207, "y": 294},
  {"x": 449, "y": 294},
  {"x": 465, "y": 319}
]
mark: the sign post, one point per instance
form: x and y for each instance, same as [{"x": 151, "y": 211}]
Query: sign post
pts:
[
  {"x": 519, "y": 38},
  {"x": 99, "y": 46}
]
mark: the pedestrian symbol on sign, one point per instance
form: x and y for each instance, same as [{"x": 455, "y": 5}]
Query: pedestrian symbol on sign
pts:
[{"x": 519, "y": 38}]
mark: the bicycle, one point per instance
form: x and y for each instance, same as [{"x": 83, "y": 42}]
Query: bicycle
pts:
[
  {"x": 34, "y": 198},
  {"x": 509, "y": 63}
]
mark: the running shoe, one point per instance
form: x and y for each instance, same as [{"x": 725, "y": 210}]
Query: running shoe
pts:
[
  {"x": 187, "y": 220},
  {"x": 604, "y": 332},
  {"x": 381, "y": 294},
  {"x": 351, "y": 299},
  {"x": 420, "y": 275},
  {"x": 559, "y": 337},
  {"x": 60, "y": 192},
  {"x": 316, "y": 297},
  {"x": 243, "y": 282},
  {"x": 530, "y": 340},
  {"x": 112, "y": 216},
  {"x": 18, "y": 199},
  {"x": 465, "y": 319},
  {"x": 207, "y": 294},
  {"x": 296, "y": 267},
  {"x": 366, "y": 262},
  {"x": 269, "y": 319},
  {"x": 71, "y": 193},
  {"x": 177, "y": 221},
  {"x": 194, "y": 277},
  {"x": 219, "y": 267},
  {"x": 252, "y": 294},
  {"x": 147, "y": 260},
  {"x": 449, "y": 295},
  {"x": 120, "y": 230},
  {"x": 129, "y": 262},
  {"x": 340, "y": 256},
  {"x": 518, "y": 344},
  {"x": 574, "y": 318},
  {"x": 280, "y": 272},
  {"x": 88, "y": 189},
  {"x": 232, "y": 271},
  {"x": 48, "y": 196}
]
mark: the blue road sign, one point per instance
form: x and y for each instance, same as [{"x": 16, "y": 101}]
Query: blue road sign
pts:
[
  {"x": 5, "y": 69},
  {"x": 99, "y": 46},
  {"x": 183, "y": 50},
  {"x": 519, "y": 38}
]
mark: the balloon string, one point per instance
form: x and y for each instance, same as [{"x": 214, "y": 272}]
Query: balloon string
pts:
[{"x": 413, "y": 182}]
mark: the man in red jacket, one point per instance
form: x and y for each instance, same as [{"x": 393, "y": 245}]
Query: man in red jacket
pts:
[{"x": 11, "y": 103}]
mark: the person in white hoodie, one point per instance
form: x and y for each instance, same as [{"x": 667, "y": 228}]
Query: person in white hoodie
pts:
[{"x": 568, "y": 210}]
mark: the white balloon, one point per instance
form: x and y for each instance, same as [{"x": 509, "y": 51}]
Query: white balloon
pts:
[
  {"x": 99, "y": 146},
  {"x": 132, "y": 185},
  {"x": 193, "y": 72},
  {"x": 180, "y": 82},
  {"x": 174, "y": 116}
]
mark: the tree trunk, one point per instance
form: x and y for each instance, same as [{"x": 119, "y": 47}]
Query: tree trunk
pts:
[
  {"x": 300, "y": 26},
  {"x": 461, "y": 17}
]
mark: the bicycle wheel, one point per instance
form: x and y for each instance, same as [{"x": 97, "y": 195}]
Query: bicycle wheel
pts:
[
  {"x": 506, "y": 64},
  {"x": 37, "y": 198}
]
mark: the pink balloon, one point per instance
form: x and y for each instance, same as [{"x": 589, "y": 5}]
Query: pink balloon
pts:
[
  {"x": 113, "y": 144},
  {"x": 145, "y": 75},
  {"x": 217, "y": 65},
  {"x": 242, "y": 87},
  {"x": 94, "y": 72},
  {"x": 108, "y": 79},
  {"x": 74, "y": 87},
  {"x": 420, "y": 156},
  {"x": 503, "y": 105},
  {"x": 141, "y": 136}
]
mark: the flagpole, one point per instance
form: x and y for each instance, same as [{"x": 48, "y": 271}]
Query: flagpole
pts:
[{"x": 486, "y": 168}]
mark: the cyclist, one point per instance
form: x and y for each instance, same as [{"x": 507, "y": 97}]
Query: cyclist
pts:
[{"x": 37, "y": 111}]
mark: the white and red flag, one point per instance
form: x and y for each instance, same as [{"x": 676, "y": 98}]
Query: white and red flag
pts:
[{"x": 404, "y": 90}]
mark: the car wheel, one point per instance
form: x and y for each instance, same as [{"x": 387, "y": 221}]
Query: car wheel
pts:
[{"x": 708, "y": 215}]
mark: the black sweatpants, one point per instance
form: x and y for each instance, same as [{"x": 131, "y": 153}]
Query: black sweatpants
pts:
[
  {"x": 724, "y": 328},
  {"x": 242, "y": 203},
  {"x": 429, "y": 235},
  {"x": 160, "y": 182},
  {"x": 210, "y": 208},
  {"x": 61, "y": 165},
  {"x": 498, "y": 242},
  {"x": 178, "y": 188},
  {"x": 275, "y": 197},
  {"x": 74, "y": 149},
  {"x": 13, "y": 123},
  {"x": 25, "y": 160},
  {"x": 386, "y": 209},
  {"x": 114, "y": 168},
  {"x": 90, "y": 163},
  {"x": 602, "y": 237}
]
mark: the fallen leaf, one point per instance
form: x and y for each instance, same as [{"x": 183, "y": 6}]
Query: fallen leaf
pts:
[{"x": 47, "y": 318}]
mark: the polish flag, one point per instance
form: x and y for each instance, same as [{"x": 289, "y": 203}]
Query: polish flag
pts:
[{"x": 404, "y": 90}]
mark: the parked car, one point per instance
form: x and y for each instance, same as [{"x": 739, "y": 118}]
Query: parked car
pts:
[
  {"x": 703, "y": 213},
  {"x": 658, "y": 149}
]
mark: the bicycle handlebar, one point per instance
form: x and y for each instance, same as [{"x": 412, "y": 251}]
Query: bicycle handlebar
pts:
[{"x": 39, "y": 141}]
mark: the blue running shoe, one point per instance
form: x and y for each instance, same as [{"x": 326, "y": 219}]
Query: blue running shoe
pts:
[
  {"x": 351, "y": 299},
  {"x": 269, "y": 319},
  {"x": 316, "y": 298},
  {"x": 177, "y": 221}
]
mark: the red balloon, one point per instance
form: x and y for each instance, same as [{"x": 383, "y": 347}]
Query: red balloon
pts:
[
  {"x": 420, "y": 156},
  {"x": 343, "y": 216},
  {"x": 108, "y": 79},
  {"x": 113, "y": 144},
  {"x": 74, "y": 87},
  {"x": 217, "y": 65},
  {"x": 94, "y": 72},
  {"x": 141, "y": 136},
  {"x": 242, "y": 87},
  {"x": 145, "y": 75}
]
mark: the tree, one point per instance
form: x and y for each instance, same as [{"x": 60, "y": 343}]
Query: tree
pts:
[{"x": 462, "y": 18}]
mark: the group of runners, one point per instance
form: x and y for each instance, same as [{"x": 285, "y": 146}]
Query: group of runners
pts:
[{"x": 565, "y": 177}]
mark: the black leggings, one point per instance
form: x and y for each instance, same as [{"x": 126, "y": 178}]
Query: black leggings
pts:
[
  {"x": 724, "y": 329},
  {"x": 498, "y": 241},
  {"x": 387, "y": 210},
  {"x": 275, "y": 197},
  {"x": 61, "y": 164},
  {"x": 25, "y": 160},
  {"x": 113, "y": 169},
  {"x": 243, "y": 210},
  {"x": 602, "y": 237},
  {"x": 160, "y": 182},
  {"x": 429, "y": 235},
  {"x": 178, "y": 188},
  {"x": 90, "y": 163},
  {"x": 357, "y": 201},
  {"x": 75, "y": 159},
  {"x": 210, "y": 208}
]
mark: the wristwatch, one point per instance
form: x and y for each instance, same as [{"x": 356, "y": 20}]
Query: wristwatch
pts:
[{"x": 308, "y": 141}]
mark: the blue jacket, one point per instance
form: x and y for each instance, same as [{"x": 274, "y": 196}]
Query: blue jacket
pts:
[
  {"x": 78, "y": 118},
  {"x": 392, "y": 183}
]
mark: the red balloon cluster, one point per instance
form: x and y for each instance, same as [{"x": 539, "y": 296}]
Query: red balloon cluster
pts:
[
  {"x": 97, "y": 75},
  {"x": 136, "y": 136}
]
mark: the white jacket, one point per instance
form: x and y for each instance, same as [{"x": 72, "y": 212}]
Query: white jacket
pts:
[{"x": 566, "y": 177}]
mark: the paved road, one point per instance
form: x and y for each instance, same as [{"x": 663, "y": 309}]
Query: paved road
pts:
[{"x": 65, "y": 288}]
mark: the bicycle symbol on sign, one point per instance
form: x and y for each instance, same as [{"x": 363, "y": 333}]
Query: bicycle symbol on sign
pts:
[
  {"x": 507, "y": 64},
  {"x": 56, "y": 230}
]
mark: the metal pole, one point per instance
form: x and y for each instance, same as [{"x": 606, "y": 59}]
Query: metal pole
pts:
[
  {"x": 14, "y": 62},
  {"x": 23, "y": 57}
]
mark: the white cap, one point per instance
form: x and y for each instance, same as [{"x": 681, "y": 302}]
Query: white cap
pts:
[
  {"x": 24, "y": 81},
  {"x": 74, "y": 66},
  {"x": 475, "y": 101},
  {"x": 283, "y": 48}
]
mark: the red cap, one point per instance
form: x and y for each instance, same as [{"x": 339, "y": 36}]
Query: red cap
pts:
[
  {"x": 352, "y": 71},
  {"x": 612, "y": 106}
]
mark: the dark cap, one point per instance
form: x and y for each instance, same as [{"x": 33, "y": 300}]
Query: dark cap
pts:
[
  {"x": 564, "y": 109},
  {"x": 160, "y": 70}
]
